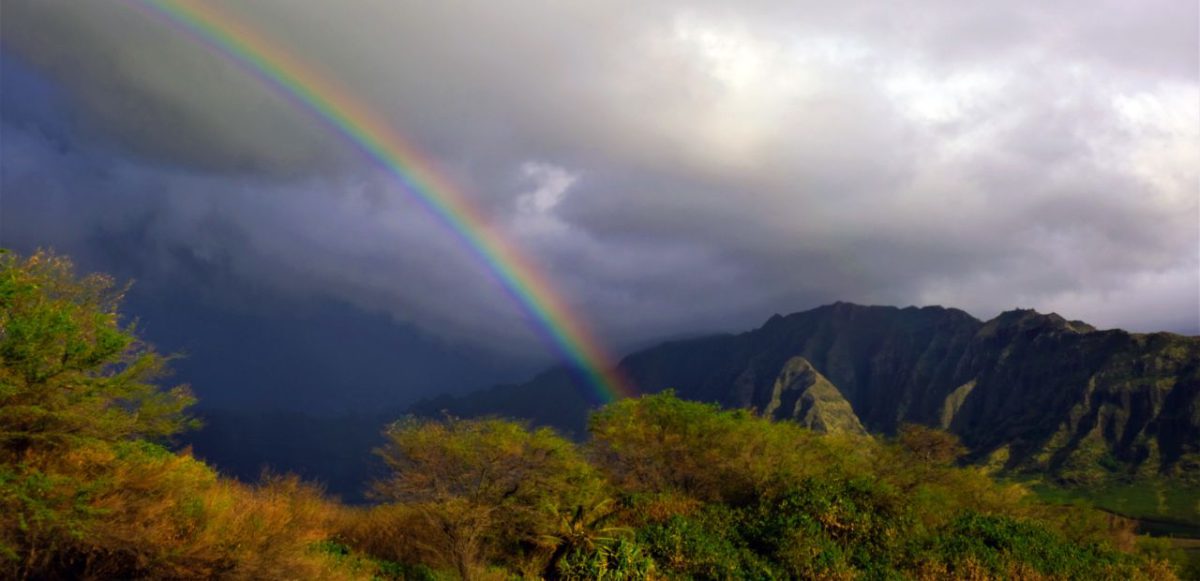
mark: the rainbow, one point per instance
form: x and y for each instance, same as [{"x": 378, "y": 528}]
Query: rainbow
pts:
[{"x": 366, "y": 130}]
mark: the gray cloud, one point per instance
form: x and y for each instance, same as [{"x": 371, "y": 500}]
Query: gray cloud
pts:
[{"x": 674, "y": 167}]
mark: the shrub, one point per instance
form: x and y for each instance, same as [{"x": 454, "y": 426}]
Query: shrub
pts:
[{"x": 484, "y": 488}]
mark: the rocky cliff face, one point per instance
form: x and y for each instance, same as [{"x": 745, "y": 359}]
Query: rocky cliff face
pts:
[
  {"x": 801, "y": 394},
  {"x": 1025, "y": 391}
]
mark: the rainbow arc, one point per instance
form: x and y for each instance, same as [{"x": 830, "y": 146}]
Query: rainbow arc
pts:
[{"x": 349, "y": 117}]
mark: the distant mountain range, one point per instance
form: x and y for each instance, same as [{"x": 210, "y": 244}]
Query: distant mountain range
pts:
[{"x": 1025, "y": 391}]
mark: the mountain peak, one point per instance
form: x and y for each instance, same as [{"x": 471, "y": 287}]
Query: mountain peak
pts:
[
  {"x": 802, "y": 394},
  {"x": 1023, "y": 319}
]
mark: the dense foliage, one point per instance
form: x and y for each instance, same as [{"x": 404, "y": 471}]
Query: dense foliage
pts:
[
  {"x": 86, "y": 488},
  {"x": 664, "y": 488}
]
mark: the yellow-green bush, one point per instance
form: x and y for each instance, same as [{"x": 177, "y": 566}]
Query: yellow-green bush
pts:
[{"x": 136, "y": 510}]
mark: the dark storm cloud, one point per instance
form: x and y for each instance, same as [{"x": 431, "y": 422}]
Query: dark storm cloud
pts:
[
  {"x": 146, "y": 88},
  {"x": 675, "y": 167}
]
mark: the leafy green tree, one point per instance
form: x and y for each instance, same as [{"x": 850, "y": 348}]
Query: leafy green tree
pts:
[
  {"x": 73, "y": 383},
  {"x": 702, "y": 545},
  {"x": 85, "y": 492},
  {"x": 483, "y": 484},
  {"x": 660, "y": 443},
  {"x": 70, "y": 373}
]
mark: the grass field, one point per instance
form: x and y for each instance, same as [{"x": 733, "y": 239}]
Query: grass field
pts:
[{"x": 1164, "y": 508}]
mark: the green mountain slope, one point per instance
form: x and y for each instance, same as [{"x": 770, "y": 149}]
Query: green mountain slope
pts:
[
  {"x": 800, "y": 393},
  {"x": 1025, "y": 391}
]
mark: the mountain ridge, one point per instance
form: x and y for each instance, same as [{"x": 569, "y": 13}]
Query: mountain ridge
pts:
[{"x": 1025, "y": 391}]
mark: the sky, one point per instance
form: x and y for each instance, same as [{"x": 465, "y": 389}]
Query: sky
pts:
[{"x": 674, "y": 168}]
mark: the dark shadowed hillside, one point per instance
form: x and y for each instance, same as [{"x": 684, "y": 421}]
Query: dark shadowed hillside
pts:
[
  {"x": 333, "y": 451},
  {"x": 1025, "y": 391}
]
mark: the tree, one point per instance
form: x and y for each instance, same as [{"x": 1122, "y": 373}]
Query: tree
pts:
[
  {"x": 660, "y": 443},
  {"x": 74, "y": 384},
  {"x": 481, "y": 483},
  {"x": 84, "y": 491},
  {"x": 931, "y": 446},
  {"x": 70, "y": 373}
]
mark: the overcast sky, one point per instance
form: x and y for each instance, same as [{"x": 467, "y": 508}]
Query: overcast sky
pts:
[{"x": 675, "y": 167}]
